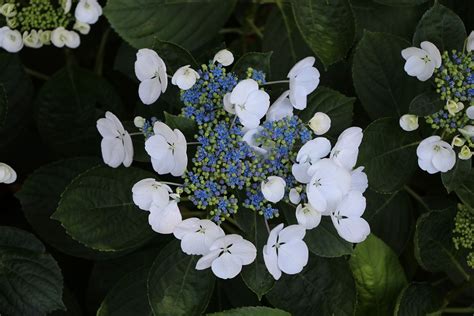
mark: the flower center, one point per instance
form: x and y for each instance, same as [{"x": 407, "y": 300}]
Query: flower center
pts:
[{"x": 426, "y": 59}]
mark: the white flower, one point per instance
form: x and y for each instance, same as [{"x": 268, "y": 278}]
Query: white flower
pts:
[
  {"x": 454, "y": 107},
  {"x": 320, "y": 123},
  {"x": 185, "y": 77},
  {"x": 346, "y": 150},
  {"x": 409, "y": 122},
  {"x": 66, "y": 5},
  {"x": 139, "y": 122},
  {"x": 280, "y": 109},
  {"x": 88, "y": 11},
  {"x": 163, "y": 220},
  {"x": 250, "y": 137},
  {"x": 294, "y": 196},
  {"x": 197, "y": 235},
  {"x": 467, "y": 131},
  {"x": 8, "y": 10},
  {"x": 310, "y": 153},
  {"x": 167, "y": 149},
  {"x": 307, "y": 216},
  {"x": 82, "y": 28},
  {"x": 117, "y": 147},
  {"x": 227, "y": 256},
  {"x": 7, "y": 174},
  {"x": 61, "y": 37},
  {"x": 465, "y": 153},
  {"x": 470, "y": 42},
  {"x": 228, "y": 106},
  {"x": 32, "y": 39},
  {"x": 150, "y": 69},
  {"x": 149, "y": 191},
  {"x": 470, "y": 112},
  {"x": 304, "y": 79},
  {"x": 273, "y": 189},
  {"x": 251, "y": 104},
  {"x": 347, "y": 218},
  {"x": 421, "y": 63},
  {"x": 359, "y": 181},
  {"x": 224, "y": 57},
  {"x": 328, "y": 185},
  {"x": 435, "y": 155},
  {"x": 285, "y": 250},
  {"x": 10, "y": 40}
]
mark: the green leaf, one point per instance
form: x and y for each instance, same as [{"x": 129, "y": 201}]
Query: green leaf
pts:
[
  {"x": 324, "y": 240},
  {"x": 378, "y": 275},
  {"x": 186, "y": 125},
  {"x": 189, "y": 23},
  {"x": 327, "y": 26},
  {"x": 388, "y": 154},
  {"x": 324, "y": 287},
  {"x": 39, "y": 197},
  {"x": 30, "y": 279},
  {"x": 252, "y": 311},
  {"x": 442, "y": 27},
  {"x": 97, "y": 210},
  {"x": 3, "y": 105},
  {"x": 434, "y": 248},
  {"x": 454, "y": 178},
  {"x": 419, "y": 299},
  {"x": 257, "y": 61},
  {"x": 174, "y": 55},
  {"x": 336, "y": 105},
  {"x": 465, "y": 191},
  {"x": 69, "y": 105},
  {"x": 401, "y": 3},
  {"x": 379, "y": 79},
  {"x": 175, "y": 287},
  {"x": 426, "y": 104}
]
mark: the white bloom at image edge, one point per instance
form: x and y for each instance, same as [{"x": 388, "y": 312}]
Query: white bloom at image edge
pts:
[
  {"x": 197, "y": 235},
  {"x": 150, "y": 69},
  {"x": 88, "y": 11},
  {"x": 10, "y": 40},
  {"x": 307, "y": 216},
  {"x": 7, "y": 174},
  {"x": 421, "y": 63},
  {"x": 61, "y": 37},
  {"x": 320, "y": 123},
  {"x": 163, "y": 220},
  {"x": 285, "y": 250},
  {"x": 149, "y": 191},
  {"x": 250, "y": 103},
  {"x": 116, "y": 145},
  {"x": 470, "y": 112},
  {"x": 409, "y": 122},
  {"x": 185, "y": 77},
  {"x": 304, "y": 79},
  {"x": 227, "y": 255},
  {"x": 167, "y": 149},
  {"x": 273, "y": 189},
  {"x": 470, "y": 42},
  {"x": 224, "y": 57},
  {"x": 347, "y": 218},
  {"x": 435, "y": 155}
]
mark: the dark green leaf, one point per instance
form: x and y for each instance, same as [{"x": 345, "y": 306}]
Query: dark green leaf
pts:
[
  {"x": 97, "y": 210},
  {"x": 401, "y": 3},
  {"x": 125, "y": 60},
  {"x": 175, "y": 287},
  {"x": 378, "y": 275},
  {"x": 3, "y": 105},
  {"x": 465, "y": 191},
  {"x": 454, "y": 178},
  {"x": 382, "y": 85},
  {"x": 174, "y": 55},
  {"x": 426, "y": 103},
  {"x": 327, "y": 26},
  {"x": 186, "y": 125},
  {"x": 419, "y": 299},
  {"x": 252, "y": 311},
  {"x": 388, "y": 154},
  {"x": 324, "y": 240},
  {"x": 257, "y": 61},
  {"x": 30, "y": 279}
]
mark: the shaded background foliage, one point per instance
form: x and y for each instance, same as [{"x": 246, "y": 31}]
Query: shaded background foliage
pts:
[{"x": 50, "y": 100}]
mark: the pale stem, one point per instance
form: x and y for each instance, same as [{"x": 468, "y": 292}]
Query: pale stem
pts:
[
  {"x": 275, "y": 82},
  {"x": 135, "y": 134},
  {"x": 266, "y": 224},
  {"x": 193, "y": 143},
  {"x": 37, "y": 74},
  {"x": 172, "y": 183}
]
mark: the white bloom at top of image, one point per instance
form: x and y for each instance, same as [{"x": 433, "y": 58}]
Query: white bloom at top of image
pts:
[
  {"x": 310, "y": 153},
  {"x": 294, "y": 196},
  {"x": 61, "y": 37},
  {"x": 8, "y": 10},
  {"x": 167, "y": 149},
  {"x": 470, "y": 42},
  {"x": 304, "y": 79},
  {"x": 320, "y": 123},
  {"x": 273, "y": 189},
  {"x": 81, "y": 27},
  {"x": 197, "y": 235},
  {"x": 346, "y": 149},
  {"x": 251, "y": 104},
  {"x": 88, "y": 11},
  {"x": 227, "y": 255},
  {"x": 435, "y": 155},
  {"x": 185, "y": 77},
  {"x": 470, "y": 112},
  {"x": 347, "y": 218},
  {"x": 224, "y": 57},
  {"x": 281, "y": 108},
  {"x": 359, "y": 180},
  {"x": 454, "y": 107},
  {"x": 32, "y": 39},
  {"x": 250, "y": 137},
  {"x": 66, "y": 5},
  {"x": 7, "y": 174},
  {"x": 150, "y": 69},
  {"x": 421, "y": 62},
  {"x": 285, "y": 250},
  {"x": 467, "y": 131},
  {"x": 409, "y": 122},
  {"x": 10, "y": 40},
  {"x": 148, "y": 191},
  {"x": 164, "y": 220},
  {"x": 116, "y": 145},
  {"x": 307, "y": 216}
]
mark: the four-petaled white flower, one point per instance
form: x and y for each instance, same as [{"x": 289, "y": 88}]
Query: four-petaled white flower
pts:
[
  {"x": 310, "y": 153},
  {"x": 359, "y": 180},
  {"x": 61, "y": 37},
  {"x": 280, "y": 109},
  {"x": 116, "y": 145},
  {"x": 294, "y": 196},
  {"x": 273, "y": 189},
  {"x": 435, "y": 155},
  {"x": 227, "y": 255},
  {"x": 149, "y": 191},
  {"x": 185, "y": 77},
  {"x": 421, "y": 63},
  {"x": 163, "y": 220},
  {"x": 224, "y": 57},
  {"x": 88, "y": 11},
  {"x": 10, "y": 40},
  {"x": 346, "y": 149},
  {"x": 167, "y": 149},
  {"x": 7, "y": 174},
  {"x": 347, "y": 219},
  {"x": 285, "y": 250},
  {"x": 320, "y": 123},
  {"x": 304, "y": 79},
  {"x": 150, "y": 69},
  {"x": 307, "y": 216},
  {"x": 197, "y": 235},
  {"x": 32, "y": 39},
  {"x": 251, "y": 136},
  {"x": 470, "y": 42},
  {"x": 250, "y": 103},
  {"x": 409, "y": 122}
]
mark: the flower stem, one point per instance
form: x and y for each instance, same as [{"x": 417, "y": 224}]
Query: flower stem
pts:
[
  {"x": 172, "y": 183},
  {"x": 99, "y": 62},
  {"x": 193, "y": 143},
  {"x": 266, "y": 224},
  {"x": 416, "y": 196},
  {"x": 458, "y": 310},
  {"x": 135, "y": 134},
  {"x": 37, "y": 74},
  {"x": 275, "y": 82}
]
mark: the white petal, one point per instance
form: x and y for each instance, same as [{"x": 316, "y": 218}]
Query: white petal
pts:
[
  {"x": 307, "y": 216},
  {"x": 320, "y": 123},
  {"x": 224, "y": 57},
  {"x": 226, "y": 266},
  {"x": 297, "y": 95},
  {"x": 242, "y": 90},
  {"x": 307, "y": 78},
  {"x": 300, "y": 172},
  {"x": 164, "y": 220},
  {"x": 293, "y": 256},
  {"x": 206, "y": 261},
  {"x": 188, "y": 226},
  {"x": 470, "y": 43},
  {"x": 7, "y": 174},
  {"x": 433, "y": 52},
  {"x": 314, "y": 150},
  {"x": 185, "y": 77},
  {"x": 353, "y": 230},
  {"x": 359, "y": 180},
  {"x": 427, "y": 165},
  {"x": 353, "y": 205},
  {"x": 257, "y": 103},
  {"x": 409, "y": 122},
  {"x": 146, "y": 64},
  {"x": 271, "y": 261},
  {"x": 470, "y": 111},
  {"x": 291, "y": 233},
  {"x": 128, "y": 148},
  {"x": 113, "y": 152},
  {"x": 427, "y": 72},
  {"x": 280, "y": 109},
  {"x": 273, "y": 189},
  {"x": 244, "y": 250},
  {"x": 445, "y": 159},
  {"x": 414, "y": 66},
  {"x": 12, "y": 41},
  {"x": 149, "y": 90},
  {"x": 300, "y": 65},
  {"x": 273, "y": 236},
  {"x": 424, "y": 149},
  {"x": 228, "y": 106},
  {"x": 294, "y": 196}
]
